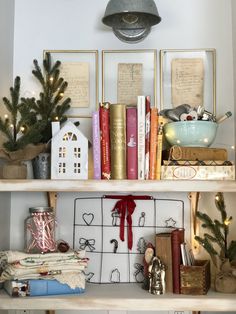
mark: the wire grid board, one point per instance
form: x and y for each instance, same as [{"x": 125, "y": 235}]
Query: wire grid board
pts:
[{"x": 96, "y": 229}]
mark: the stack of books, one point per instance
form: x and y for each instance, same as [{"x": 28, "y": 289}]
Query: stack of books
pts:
[
  {"x": 183, "y": 274},
  {"x": 197, "y": 163},
  {"x": 127, "y": 141},
  {"x": 171, "y": 249}
]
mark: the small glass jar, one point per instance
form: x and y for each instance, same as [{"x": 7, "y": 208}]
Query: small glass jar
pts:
[{"x": 40, "y": 230}]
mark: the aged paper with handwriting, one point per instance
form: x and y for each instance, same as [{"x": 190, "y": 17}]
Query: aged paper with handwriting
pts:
[
  {"x": 77, "y": 76},
  {"x": 130, "y": 82},
  {"x": 187, "y": 81}
]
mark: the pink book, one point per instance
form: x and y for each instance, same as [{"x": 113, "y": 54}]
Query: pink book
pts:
[
  {"x": 147, "y": 136},
  {"x": 96, "y": 146},
  {"x": 131, "y": 136}
]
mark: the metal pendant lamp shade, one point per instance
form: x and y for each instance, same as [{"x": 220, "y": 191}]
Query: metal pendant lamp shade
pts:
[{"x": 131, "y": 20}]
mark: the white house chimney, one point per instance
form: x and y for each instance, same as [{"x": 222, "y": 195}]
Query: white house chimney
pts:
[{"x": 55, "y": 128}]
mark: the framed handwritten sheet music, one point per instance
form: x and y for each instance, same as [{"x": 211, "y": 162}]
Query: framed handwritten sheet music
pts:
[
  {"x": 80, "y": 69},
  {"x": 188, "y": 77},
  {"x": 127, "y": 74}
]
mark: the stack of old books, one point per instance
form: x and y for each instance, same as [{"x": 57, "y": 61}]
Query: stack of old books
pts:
[
  {"x": 183, "y": 274},
  {"x": 197, "y": 163}
]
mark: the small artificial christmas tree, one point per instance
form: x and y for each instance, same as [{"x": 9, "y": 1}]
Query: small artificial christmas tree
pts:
[
  {"x": 50, "y": 106},
  {"x": 219, "y": 233},
  {"x": 21, "y": 128}
]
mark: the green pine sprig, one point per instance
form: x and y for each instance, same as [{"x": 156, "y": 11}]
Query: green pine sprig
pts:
[
  {"x": 50, "y": 105},
  {"x": 219, "y": 230},
  {"x": 22, "y": 127}
]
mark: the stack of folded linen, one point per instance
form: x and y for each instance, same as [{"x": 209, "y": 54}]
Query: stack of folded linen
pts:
[{"x": 58, "y": 272}]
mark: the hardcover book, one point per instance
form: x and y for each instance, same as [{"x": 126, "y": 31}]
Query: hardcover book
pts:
[
  {"x": 38, "y": 287},
  {"x": 159, "y": 148},
  {"x": 105, "y": 141},
  {"x": 153, "y": 144},
  {"x": 131, "y": 136},
  {"x": 147, "y": 136},
  {"x": 196, "y": 153},
  {"x": 177, "y": 237},
  {"x": 118, "y": 141},
  {"x": 164, "y": 252},
  {"x": 141, "y": 137},
  {"x": 96, "y": 146}
]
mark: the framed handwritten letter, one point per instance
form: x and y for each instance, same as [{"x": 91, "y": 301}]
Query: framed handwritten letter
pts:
[
  {"x": 127, "y": 74},
  {"x": 188, "y": 77},
  {"x": 80, "y": 69}
]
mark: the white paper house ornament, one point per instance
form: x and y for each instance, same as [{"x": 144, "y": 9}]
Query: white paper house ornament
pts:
[{"x": 69, "y": 152}]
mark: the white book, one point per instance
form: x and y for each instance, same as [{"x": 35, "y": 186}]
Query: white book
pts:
[
  {"x": 141, "y": 136},
  {"x": 183, "y": 254}
]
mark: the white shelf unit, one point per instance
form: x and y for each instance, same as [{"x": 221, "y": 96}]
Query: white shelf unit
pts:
[
  {"x": 121, "y": 296},
  {"x": 129, "y": 297},
  {"x": 116, "y": 186}
]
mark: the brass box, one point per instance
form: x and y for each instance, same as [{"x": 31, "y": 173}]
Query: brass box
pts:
[{"x": 195, "y": 279}]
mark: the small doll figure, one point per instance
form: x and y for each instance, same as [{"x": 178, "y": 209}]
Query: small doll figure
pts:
[
  {"x": 156, "y": 272},
  {"x": 148, "y": 256}
]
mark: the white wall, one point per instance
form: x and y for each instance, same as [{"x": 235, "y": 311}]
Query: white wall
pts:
[
  {"x": 234, "y": 45},
  {"x": 6, "y": 68},
  {"x": 6, "y": 41},
  {"x": 6, "y": 51},
  {"x": 76, "y": 24}
]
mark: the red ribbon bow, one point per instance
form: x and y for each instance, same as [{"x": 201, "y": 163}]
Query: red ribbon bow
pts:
[{"x": 126, "y": 204}]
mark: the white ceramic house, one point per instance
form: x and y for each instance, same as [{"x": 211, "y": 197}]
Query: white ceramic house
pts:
[{"x": 69, "y": 152}]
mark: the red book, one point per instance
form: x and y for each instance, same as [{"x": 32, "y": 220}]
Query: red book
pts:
[
  {"x": 105, "y": 141},
  {"x": 177, "y": 237},
  {"x": 131, "y": 140},
  {"x": 147, "y": 136}
]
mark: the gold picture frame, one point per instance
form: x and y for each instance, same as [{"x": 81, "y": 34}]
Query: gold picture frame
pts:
[
  {"x": 111, "y": 59},
  {"x": 80, "y": 69},
  {"x": 188, "y": 76}
]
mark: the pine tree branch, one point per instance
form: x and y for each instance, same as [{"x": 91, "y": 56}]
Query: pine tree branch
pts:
[
  {"x": 232, "y": 251},
  {"x": 55, "y": 67},
  {"x": 50, "y": 106},
  {"x": 38, "y": 73},
  {"x": 220, "y": 205},
  {"x": 47, "y": 62},
  {"x": 208, "y": 247},
  {"x": 7, "y": 104}
]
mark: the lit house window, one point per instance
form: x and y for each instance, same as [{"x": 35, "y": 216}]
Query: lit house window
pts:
[
  {"x": 76, "y": 167},
  {"x": 62, "y": 152},
  {"x": 69, "y": 137},
  {"x": 77, "y": 152},
  {"x": 62, "y": 167}
]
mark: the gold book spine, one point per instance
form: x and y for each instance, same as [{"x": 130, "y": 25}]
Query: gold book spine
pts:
[{"x": 118, "y": 141}]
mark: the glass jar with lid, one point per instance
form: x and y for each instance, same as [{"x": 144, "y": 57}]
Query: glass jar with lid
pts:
[{"x": 40, "y": 230}]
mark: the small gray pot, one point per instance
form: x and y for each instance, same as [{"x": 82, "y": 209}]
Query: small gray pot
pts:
[{"x": 42, "y": 166}]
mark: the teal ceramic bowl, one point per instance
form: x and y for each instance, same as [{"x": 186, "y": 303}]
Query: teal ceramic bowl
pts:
[{"x": 190, "y": 133}]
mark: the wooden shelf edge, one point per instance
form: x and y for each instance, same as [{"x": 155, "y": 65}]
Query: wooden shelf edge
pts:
[
  {"x": 121, "y": 297},
  {"x": 116, "y": 186}
]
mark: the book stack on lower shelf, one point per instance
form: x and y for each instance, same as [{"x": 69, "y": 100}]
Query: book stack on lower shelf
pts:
[
  {"x": 197, "y": 163},
  {"x": 24, "y": 274},
  {"x": 183, "y": 274}
]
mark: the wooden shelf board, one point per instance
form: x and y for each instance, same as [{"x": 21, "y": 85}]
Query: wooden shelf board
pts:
[
  {"x": 117, "y": 186},
  {"x": 121, "y": 297}
]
